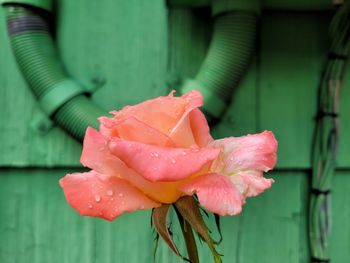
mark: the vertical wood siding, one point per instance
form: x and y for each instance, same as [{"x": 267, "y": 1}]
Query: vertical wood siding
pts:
[{"x": 139, "y": 50}]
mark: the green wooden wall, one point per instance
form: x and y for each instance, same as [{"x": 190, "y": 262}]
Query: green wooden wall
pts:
[{"x": 139, "y": 50}]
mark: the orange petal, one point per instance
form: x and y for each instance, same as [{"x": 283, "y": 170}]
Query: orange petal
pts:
[
  {"x": 132, "y": 129},
  {"x": 94, "y": 194},
  {"x": 182, "y": 133},
  {"x": 161, "y": 113}
]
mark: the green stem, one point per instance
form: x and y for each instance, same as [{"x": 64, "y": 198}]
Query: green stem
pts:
[{"x": 190, "y": 241}]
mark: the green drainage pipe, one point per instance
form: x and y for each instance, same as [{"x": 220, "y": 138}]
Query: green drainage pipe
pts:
[
  {"x": 59, "y": 96},
  {"x": 227, "y": 60},
  {"x": 65, "y": 101}
]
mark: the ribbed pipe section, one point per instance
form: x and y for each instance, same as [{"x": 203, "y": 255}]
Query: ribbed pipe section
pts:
[
  {"x": 38, "y": 61},
  {"x": 229, "y": 54},
  {"x": 77, "y": 114}
]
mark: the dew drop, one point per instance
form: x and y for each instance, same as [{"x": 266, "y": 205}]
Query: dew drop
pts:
[
  {"x": 101, "y": 148},
  {"x": 232, "y": 158},
  {"x": 112, "y": 199},
  {"x": 184, "y": 153},
  {"x": 90, "y": 206},
  {"x": 155, "y": 168},
  {"x": 97, "y": 198},
  {"x": 173, "y": 161},
  {"x": 240, "y": 163},
  {"x": 110, "y": 193},
  {"x": 120, "y": 194},
  {"x": 156, "y": 154},
  {"x": 101, "y": 213},
  {"x": 142, "y": 207}
]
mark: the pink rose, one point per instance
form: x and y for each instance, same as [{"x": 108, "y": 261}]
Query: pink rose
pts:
[{"x": 159, "y": 150}]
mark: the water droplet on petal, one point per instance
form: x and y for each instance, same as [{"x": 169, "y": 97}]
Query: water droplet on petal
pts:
[
  {"x": 90, "y": 206},
  {"x": 232, "y": 158},
  {"x": 142, "y": 207},
  {"x": 184, "y": 153},
  {"x": 156, "y": 154},
  {"x": 101, "y": 213},
  {"x": 97, "y": 198},
  {"x": 110, "y": 193},
  {"x": 155, "y": 168},
  {"x": 240, "y": 163},
  {"x": 173, "y": 161},
  {"x": 120, "y": 194}
]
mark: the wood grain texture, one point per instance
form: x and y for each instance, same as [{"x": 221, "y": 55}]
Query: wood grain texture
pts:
[
  {"x": 37, "y": 225},
  {"x": 133, "y": 54}
]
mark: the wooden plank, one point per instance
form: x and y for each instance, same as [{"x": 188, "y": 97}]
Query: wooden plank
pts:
[
  {"x": 117, "y": 42},
  {"x": 37, "y": 225},
  {"x": 340, "y": 235},
  {"x": 293, "y": 50},
  {"x": 270, "y": 223}
]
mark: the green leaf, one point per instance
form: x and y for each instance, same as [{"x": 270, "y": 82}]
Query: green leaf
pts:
[{"x": 159, "y": 221}]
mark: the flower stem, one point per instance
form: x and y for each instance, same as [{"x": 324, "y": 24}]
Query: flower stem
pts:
[{"x": 189, "y": 239}]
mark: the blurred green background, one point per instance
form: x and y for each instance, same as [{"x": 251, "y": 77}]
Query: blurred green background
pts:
[{"x": 141, "y": 49}]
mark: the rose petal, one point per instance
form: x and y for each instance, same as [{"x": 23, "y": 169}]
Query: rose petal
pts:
[
  {"x": 161, "y": 113},
  {"x": 256, "y": 184},
  {"x": 94, "y": 194},
  {"x": 182, "y": 136},
  {"x": 216, "y": 193},
  {"x": 182, "y": 133},
  {"x": 97, "y": 156},
  {"x": 107, "y": 127},
  {"x": 132, "y": 129},
  {"x": 251, "y": 152},
  {"x": 161, "y": 163},
  {"x": 200, "y": 128}
]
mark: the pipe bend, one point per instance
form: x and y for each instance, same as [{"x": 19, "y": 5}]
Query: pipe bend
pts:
[
  {"x": 60, "y": 97},
  {"x": 64, "y": 100},
  {"x": 228, "y": 57}
]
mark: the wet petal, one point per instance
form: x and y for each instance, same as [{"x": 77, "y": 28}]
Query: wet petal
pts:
[
  {"x": 94, "y": 194},
  {"x": 162, "y": 163},
  {"x": 96, "y": 155},
  {"x": 256, "y": 184},
  {"x": 251, "y": 152},
  {"x": 216, "y": 193}
]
